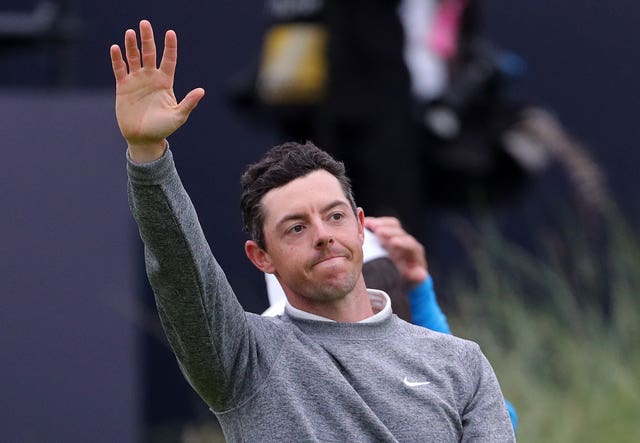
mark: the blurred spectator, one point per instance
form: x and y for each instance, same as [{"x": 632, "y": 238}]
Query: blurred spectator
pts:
[{"x": 413, "y": 98}]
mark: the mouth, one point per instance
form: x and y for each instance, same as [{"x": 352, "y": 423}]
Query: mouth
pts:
[{"x": 328, "y": 259}]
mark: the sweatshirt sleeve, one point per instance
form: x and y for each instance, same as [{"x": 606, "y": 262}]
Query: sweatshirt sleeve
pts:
[
  {"x": 204, "y": 323},
  {"x": 425, "y": 310},
  {"x": 484, "y": 416}
]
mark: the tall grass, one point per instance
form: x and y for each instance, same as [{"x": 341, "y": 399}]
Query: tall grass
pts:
[{"x": 561, "y": 328}]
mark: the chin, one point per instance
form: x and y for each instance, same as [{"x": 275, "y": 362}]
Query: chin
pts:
[{"x": 335, "y": 290}]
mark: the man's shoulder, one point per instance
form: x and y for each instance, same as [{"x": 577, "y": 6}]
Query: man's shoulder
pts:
[
  {"x": 435, "y": 338},
  {"x": 447, "y": 354}
]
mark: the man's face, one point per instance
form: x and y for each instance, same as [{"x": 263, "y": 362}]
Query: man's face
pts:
[{"x": 313, "y": 238}]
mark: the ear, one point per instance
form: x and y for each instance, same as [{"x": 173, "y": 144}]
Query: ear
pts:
[
  {"x": 360, "y": 217},
  {"x": 259, "y": 257}
]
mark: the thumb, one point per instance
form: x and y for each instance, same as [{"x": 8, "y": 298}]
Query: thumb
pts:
[{"x": 190, "y": 101}]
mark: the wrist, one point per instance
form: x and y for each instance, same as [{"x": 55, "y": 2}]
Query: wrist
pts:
[
  {"x": 147, "y": 152},
  {"x": 417, "y": 277},
  {"x": 427, "y": 281}
]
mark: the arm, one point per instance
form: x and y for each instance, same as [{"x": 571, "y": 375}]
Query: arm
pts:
[
  {"x": 205, "y": 324},
  {"x": 200, "y": 315},
  {"x": 425, "y": 310},
  {"x": 484, "y": 416}
]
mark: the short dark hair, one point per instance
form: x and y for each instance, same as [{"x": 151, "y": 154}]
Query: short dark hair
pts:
[
  {"x": 381, "y": 273},
  {"x": 279, "y": 166}
]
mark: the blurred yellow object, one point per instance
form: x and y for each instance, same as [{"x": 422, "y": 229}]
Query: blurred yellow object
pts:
[{"x": 293, "y": 68}]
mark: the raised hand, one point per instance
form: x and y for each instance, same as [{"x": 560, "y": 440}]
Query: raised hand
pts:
[
  {"x": 404, "y": 250},
  {"x": 146, "y": 107}
]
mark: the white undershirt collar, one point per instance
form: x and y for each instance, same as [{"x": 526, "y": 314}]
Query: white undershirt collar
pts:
[{"x": 380, "y": 303}]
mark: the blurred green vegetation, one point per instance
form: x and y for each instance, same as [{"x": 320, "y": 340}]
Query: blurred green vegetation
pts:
[{"x": 560, "y": 327}]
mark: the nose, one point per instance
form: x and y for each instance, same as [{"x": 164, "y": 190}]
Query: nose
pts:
[
  {"x": 323, "y": 242},
  {"x": 324, "y": 237}
]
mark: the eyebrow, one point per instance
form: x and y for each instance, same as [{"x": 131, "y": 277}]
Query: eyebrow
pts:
[{"x": 299, "y": 216}]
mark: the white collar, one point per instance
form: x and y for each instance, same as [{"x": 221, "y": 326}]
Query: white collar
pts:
[{"x": 380, "y": 303}]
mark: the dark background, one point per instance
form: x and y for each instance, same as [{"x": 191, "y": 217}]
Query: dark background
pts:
[{"x": 71, "y": 249}]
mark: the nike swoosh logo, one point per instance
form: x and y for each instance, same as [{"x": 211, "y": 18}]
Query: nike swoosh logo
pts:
[{"x": 413, "y": 384}]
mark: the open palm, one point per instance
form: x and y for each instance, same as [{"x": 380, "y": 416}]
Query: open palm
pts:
[{"x": 146, "y": 107}]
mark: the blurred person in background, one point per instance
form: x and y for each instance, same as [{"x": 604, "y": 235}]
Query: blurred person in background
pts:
[{"x": 412, "y": 91}]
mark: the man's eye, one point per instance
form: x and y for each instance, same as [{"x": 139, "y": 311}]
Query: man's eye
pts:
[
  {"x": 337, "y": 216},
  {"x": 296, "y": 229}
]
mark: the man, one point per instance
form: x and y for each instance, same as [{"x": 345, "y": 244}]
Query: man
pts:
[{"x": 338, "y": 366}]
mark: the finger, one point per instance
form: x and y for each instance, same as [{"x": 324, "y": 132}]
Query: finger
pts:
[
  {"x": 406, "y": 243},
  {"x": 369, "y": 222},
  {"x": 148, "y": 45},
  {"x": 375, "y": 223},
  {"x": 131, "y": 50},
  {"x": 190, "y": 101},
  {"x": 389, "y": 221},
  {"x": 169, "y": 54},
  {"x": 384, "y": 233},
  {"x": 117, "y": 63},
  {"x": 407, "y": 250}
]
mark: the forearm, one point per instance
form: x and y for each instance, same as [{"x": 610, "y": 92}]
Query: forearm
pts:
[{"x": 425, "y": 310}]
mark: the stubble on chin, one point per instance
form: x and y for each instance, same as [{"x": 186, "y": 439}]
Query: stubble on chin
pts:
[{"x": 335, "y": 288}]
